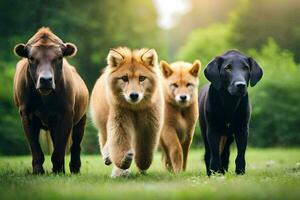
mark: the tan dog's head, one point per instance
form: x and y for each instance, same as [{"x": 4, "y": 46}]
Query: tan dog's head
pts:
[
  {"x": 181, "y": 81},
  {"x": 133, "y": 74}
]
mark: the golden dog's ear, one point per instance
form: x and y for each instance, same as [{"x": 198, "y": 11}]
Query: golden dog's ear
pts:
[
  {"x": 166, "y": 69},
  {"x": 196, "y": 67},
  {"x": 114, "y": 58},
  {"x": 150, "y": 57}
]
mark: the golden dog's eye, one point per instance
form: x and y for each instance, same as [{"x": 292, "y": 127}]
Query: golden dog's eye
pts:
[
  {"x": 174, "y": 85},
  {"x": 124, "y": 78},
  {"x": 228, "y": 68},
  {"x": 142, "y": 78},
  {"x": 189, "y": 85}
]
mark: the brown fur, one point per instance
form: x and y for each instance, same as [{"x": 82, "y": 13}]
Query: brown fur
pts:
[
  {"x": 180, "y": 117},
  {"x": 128, "y": 129},
  {"x": 61, "y": 112}
]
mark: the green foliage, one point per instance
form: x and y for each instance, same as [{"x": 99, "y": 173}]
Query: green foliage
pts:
[
  {"x": 275, "y": 100},
  {"x": 261, "y": 19},
  {"x": 271, "y": 174},
  {"x": 206, "y": 43}
]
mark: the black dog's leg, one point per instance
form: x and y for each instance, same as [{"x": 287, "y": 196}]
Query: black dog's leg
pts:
[
  {"x": 226, "y": 154},
  {"x": 207, "y": 157},
  {"x": 213, "y": 140},
  {"x": 241, "y": 138}
]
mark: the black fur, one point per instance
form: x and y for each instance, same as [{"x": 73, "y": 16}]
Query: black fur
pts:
[{"x": 225, "y": 108}]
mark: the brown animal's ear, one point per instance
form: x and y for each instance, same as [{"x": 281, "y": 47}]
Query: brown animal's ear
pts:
[
  {"x": 69, "y": 49},
  {"x": 256, "y": 72},
  {"x": 21, "y": 50},
  {"x": 196, "y": 67},
  {"x": 150, "y": 57},
  {"x": 165, "y": 68},
  {"x": 114, "y": 58}
]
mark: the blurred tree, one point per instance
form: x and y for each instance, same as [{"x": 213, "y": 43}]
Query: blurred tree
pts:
[
  {"x": 94, "y": 26},
  {"x": 262, "y": 19},
  {"x": 202, "y": 14}
]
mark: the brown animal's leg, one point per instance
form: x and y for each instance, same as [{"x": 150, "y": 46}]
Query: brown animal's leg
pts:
[
  {"x": 61, "y": 131},
  {"x": 172, "y": 143},
  {"x": 77, "y": 134},
  {"x": 119, "y": 142},
  {"x": 32, "y": 129},
  {"x": 185, "y": 149}
]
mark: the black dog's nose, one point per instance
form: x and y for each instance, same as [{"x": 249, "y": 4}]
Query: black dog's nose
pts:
[
  {"x": 183, "y": 97},
  {"x": 134, "y": 96},
  {"x": 240, "y": 85},
  {"x": 45, "y": 80}
]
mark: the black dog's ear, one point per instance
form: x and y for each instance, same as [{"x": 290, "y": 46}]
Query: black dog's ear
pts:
[
  {"x": 256, "y": 72},
  {"x": 21, "y": 50},
  {"x": 212, "y": 72}
]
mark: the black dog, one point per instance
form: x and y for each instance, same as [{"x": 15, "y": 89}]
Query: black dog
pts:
[{"x": 225, "y": 109}]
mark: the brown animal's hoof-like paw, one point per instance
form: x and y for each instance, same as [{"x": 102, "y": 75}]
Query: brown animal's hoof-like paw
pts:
[
  {"x": 75, "y": 168},
  {"x": 126, "y": 161},
  {"x": 38, "y": 169},
  {"x": 107, "y": 161}
]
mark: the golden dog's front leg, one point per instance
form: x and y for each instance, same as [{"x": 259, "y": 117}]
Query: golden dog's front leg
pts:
[{"x": 119, "y": 141}]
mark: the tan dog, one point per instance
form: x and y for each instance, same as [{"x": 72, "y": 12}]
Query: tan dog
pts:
[
  {"x": 181, "y": 112},
  {"x": 127, "y": 108}
]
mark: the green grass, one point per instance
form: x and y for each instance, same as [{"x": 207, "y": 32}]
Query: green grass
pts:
[{"x": 271, "y": 174}]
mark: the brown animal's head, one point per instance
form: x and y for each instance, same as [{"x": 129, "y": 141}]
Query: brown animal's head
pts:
[
  {"x": 181, "y": 81},
  {"x": 132, "y": 74},
  {"x": 45, "y": 52}
]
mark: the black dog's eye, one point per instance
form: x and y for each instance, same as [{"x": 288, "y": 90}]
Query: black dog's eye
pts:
[
  {"x": 142, "y": 78},
  {"x": 174, "y": 85},
  {"x": 246, "y": 68},
  {"x": 228, "y": 68},
  {"x": 189, "y": 85},
  {"x": 124, "y": 78}
]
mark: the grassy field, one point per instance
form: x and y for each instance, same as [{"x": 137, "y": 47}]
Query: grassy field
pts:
[{"x": 271, "y": 174}]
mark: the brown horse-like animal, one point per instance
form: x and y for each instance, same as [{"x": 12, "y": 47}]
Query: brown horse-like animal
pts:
[{"x": 50, "y": 95}]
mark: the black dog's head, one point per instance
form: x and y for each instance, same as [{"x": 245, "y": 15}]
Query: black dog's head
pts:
[{"x": 233, "y": 71}]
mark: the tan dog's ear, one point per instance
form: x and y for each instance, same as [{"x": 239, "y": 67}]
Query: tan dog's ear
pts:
[
  {"x": 150, "y": 57},
  {"x": 165, "y": 68},
  {"x": 114, "y": 58},
  {"x": 196, "y": 67}
]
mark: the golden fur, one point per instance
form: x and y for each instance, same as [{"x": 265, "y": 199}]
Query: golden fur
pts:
[
  {"x": 128, "y": 130},
  {"x": 180, "y": 79}
]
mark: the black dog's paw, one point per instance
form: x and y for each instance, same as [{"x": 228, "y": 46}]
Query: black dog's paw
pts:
[
  {"x": 75, "y": 168},
  {"x": 240, "y": 171}
]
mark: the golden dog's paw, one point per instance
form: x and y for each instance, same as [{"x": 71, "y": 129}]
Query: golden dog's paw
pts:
[
  {"x": 126, "y": 161},
  {"x": 117, "y": 172}
]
